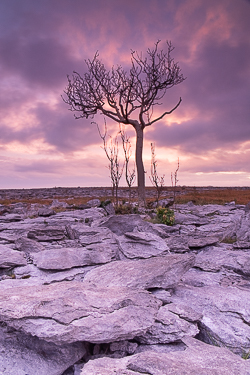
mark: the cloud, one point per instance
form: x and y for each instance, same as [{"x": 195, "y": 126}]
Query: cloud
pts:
[{"x": 41, "y": 42}]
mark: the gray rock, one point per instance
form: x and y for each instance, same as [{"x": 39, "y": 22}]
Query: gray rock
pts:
[
  {"x": 46, "y": 212},
  {"x": 123, "y": 347},
  {"x": 66, "y": 258},
  {"x": 109, "y": 208},
  {"x": 198, "y": 359},
  {"x": 247, "y": 207},
  {"x": 142, "y": 245},
  {"x": 28, "y": 246},
  {"x": 226, "y": 314},
  {"x": 23, "y": 354},
  {"x": 10, "y": 258},
  {"x": 241, "y": 245},
  {"x": 8, "y": 218},
  {"x": 214, "y": 259},
  {"x": 69, "y": 312},
  {"x": 190, "y": 219},
  {"x": 46, "y": 233},
  {"x": 169, "y": 327},
  {"x": 94, "y": 203},
  {"x": 202, "y": 241},
  {"x": 57, "y": 204},
  {"x": 178, "y": 244},
  {"x": 122, "y": 224},
  {"x": 156, "y": 272},
  {"x": 31, "y": 272},
  {"x": 161, "y": 294},
  {"x": 161, "y": 348}
]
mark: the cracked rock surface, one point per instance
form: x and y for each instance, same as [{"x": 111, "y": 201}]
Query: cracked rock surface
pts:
[{"x": 84, "y": 292}]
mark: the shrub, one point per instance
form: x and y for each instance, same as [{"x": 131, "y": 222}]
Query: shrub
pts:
[{"x": 165, "y": 215}]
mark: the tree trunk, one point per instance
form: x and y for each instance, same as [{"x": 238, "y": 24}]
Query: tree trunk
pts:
[{"x": 139, "y": 165}]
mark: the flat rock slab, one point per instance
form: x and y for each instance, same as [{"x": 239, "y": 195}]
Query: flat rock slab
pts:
[
  {"x": 226, "y": 314},
  {"x": 168, "y": 327},
  {"x": 10, "y": 258},
  {"x": 202, "y": 241},
  {"x": 46, "y": 233},
  {"x": 68, "y": 312},
  {"x": 22, "y": 354},
  {"x": 120, "y": 224},
  {"x": 215, "y": 258},
  {"x": 66, "y": 258},
  {"x": 198, "y": 359},
  {"x": 142, "y": 245},
  {"x": 156, "y": 272},
  {"x": 28, "y": 246}
]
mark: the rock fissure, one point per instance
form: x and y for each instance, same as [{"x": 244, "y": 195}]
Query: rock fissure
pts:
[{"x": 123, "y": 295}]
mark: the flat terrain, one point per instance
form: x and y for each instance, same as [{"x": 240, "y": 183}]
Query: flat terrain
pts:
[{"x": 79, "y": 195}]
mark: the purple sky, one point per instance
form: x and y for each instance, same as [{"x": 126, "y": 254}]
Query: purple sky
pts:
[{"x": 42, "y": 145}]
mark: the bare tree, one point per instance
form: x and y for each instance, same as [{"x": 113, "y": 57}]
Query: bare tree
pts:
[
  {"x": 157, "y": 182},
  {"x": 111, "y": 149},
  {"x": 126, "y": 96},
  {"x": 174, "y": 179},
  {"x": 129, "y": 175}
]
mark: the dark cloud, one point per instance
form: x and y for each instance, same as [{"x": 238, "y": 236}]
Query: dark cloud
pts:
[
  {"x": 43, "y": 41},
  {"x": 42, "y": 61}
]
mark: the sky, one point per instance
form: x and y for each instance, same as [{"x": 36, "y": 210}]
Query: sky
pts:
[{"x": 43, "y": 41}]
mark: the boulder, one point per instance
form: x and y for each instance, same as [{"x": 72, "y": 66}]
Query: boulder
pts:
[
  {"x": 10, "y": 258},
  {"x": 121, "y": 224},
  {"x": 198, "y": 359},
  {"x": 66, "y": 258},
  {"x": 94, "y": 203},
  {"x": 46, "y": 233},
  {"x": 156, "y": 272},
  {"x": 65, "y": 312},
  {"x": 226, "y": 314},
  {"x": 178, "y": 244},
  {"x": 168, "y": 327},
  {"x": 199, "y": 242},
  {"x": 215, "y": 258},
  {"x": 142, "y": 245},
  {"x": 28, "y": 246},
  {"x": 22, "y": 354},
  {"x": 46, "y": 212}
]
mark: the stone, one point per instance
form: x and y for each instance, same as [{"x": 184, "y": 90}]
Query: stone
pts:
[
  {"x": 121, "y": 224},
  {"x": 46, "y": 212},
  {"x": 156, "y": 272},
  {"x": 28, "y": 246},
  {"x": 123, "y": 347},
  {"x": 198, "y": 359},
  {"x": 178, "y": 244},
  {"x": 168, "y": 327},
  {"x": 58, "y": 204},
  {"x": 10, "y": 218},
  {"x": 226, "y": 314},
  {"x": 66, "y": 258},
  {"x": 94, "y": 203},
  {"x": 22, "y": 354},
  {"x": 65, "y": 312},
  {"x": 41, "y": 276},
  {"x": 214, "y": 259},
  {"x": 142, "y": 245},
  {"x": 162, "y": 294},
  {"x": 241, "y": 245},
  {"x": 10, "y": 258},
  {"x": 202, "y": 241},
  {"x": 109, "y": 208},
  {"x": 47, "y": 233}
]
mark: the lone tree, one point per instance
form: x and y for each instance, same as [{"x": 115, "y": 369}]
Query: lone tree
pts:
[{"x": 126, "y": 96}]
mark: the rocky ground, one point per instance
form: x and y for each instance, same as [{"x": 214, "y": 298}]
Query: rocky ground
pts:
[{"x": 87, "y": 292}]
